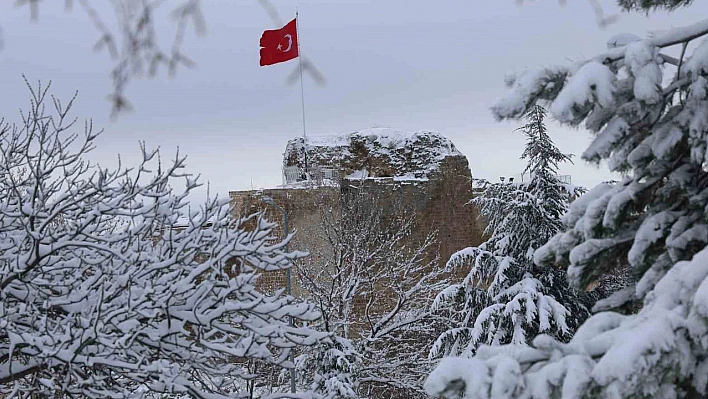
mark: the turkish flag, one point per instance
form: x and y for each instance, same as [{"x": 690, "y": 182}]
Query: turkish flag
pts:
[{"x": 279, "y": 45}]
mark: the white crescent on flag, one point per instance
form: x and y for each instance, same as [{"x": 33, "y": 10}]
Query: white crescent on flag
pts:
[{"x": 290, "y": 42}]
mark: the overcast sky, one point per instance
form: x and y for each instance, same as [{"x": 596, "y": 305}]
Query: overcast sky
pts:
[{"x": 414, "y": 65}]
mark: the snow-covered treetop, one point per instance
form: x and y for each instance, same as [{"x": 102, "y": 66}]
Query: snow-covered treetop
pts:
[
  {"x": 650, "y": 122},
  {"x": 101, "y": 296},
  {"x": 381, "y": 152}
]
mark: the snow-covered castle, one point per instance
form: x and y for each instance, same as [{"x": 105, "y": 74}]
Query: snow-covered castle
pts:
[{"x": 422, "y": 172}]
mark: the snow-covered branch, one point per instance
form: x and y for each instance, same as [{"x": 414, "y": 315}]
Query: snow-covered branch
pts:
[
  {"x": 505, "y": 298},
  {"x": 373, "y": 286},
  {"x": 651, "y": 226},
  {"x": 110, "y": 285}
]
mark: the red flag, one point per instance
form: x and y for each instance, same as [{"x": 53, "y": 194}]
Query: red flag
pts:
[{"x": 279, "y": 45}]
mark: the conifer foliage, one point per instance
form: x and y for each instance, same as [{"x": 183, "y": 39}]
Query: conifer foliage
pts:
[
  {"x": 550, "y": 193},
  {"x": 654, "y": 129},
  {"x": 505, "y": 297}
]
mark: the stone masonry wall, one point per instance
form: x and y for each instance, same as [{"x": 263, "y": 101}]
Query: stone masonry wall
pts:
[
  {"x": 302, "y": 207},
  {"x": 439, "y": 203}
]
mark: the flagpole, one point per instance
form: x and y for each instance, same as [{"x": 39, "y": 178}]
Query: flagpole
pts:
[{"x": 302, "y": 90}]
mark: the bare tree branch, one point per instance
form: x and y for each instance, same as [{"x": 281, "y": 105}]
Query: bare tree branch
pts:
[{"x": 110, "y": 285}]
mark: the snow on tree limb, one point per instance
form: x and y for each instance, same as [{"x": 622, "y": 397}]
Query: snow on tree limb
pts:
[
  {"x": 648, "y": 5},
  {"x": 504, "y": 298},
  {"x": 373, "y": 286},
  {"x": 652, "y": 223},
  {"x": 105, "y": 292},
  {"x": 546, "y": 83},
  {"x": 631, "y": 355}
]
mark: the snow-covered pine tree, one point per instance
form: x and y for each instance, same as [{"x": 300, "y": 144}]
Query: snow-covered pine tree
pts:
[
  {"x": 543, "y": 158},
  {"x": 655, "y": 131},
  {"x": 332, "y": 368},
  {"x": 105, "y": 292},
  {"x": 505, "y": 297}
]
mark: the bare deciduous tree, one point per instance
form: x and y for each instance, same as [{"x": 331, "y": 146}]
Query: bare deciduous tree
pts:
[
  {"x": 372, "y": 283},
  {"x": 105, "y": 292},
  {"x": 134, "y": 44},
  {"x": 137, "y": 47}
]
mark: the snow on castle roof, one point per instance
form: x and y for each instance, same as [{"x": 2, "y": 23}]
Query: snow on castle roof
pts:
[{"x": 382, "y": 152}]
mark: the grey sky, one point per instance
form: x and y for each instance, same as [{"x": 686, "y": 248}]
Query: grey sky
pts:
[{"x": 415, "y": 65}]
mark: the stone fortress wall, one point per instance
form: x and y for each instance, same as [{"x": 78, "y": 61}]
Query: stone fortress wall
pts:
[{"x": 422, "y": 173}]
